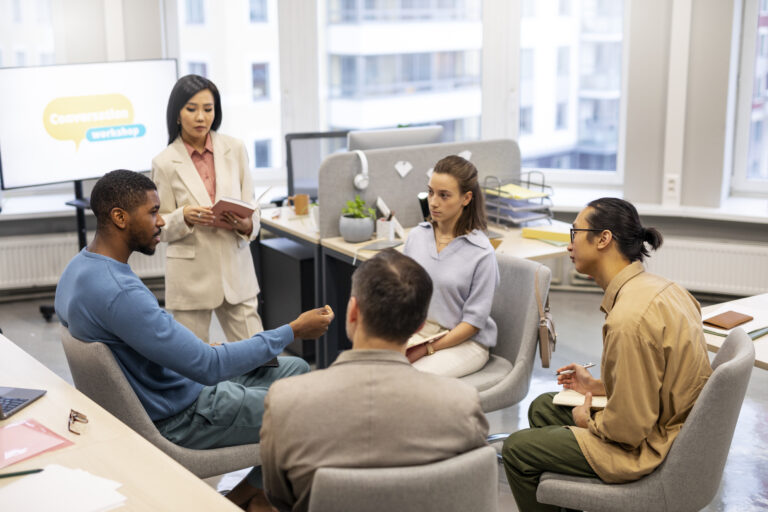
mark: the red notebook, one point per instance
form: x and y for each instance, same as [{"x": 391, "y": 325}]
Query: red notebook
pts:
[{"x": 230, "y": 204}]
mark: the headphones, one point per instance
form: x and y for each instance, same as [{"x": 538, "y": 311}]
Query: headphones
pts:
[{"x": 361, "y": 180}]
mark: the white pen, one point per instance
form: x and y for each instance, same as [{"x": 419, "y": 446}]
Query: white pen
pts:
[{"x": 568, "y": 372}]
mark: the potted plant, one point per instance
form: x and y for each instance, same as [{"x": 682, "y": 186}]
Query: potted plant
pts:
[{"x": 356, "y": 221}]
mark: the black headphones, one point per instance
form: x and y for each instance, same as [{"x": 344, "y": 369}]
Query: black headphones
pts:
[{"x": 361, "y": 180}]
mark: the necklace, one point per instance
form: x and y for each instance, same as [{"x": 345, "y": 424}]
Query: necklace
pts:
[{"x": 444, "y": 240}]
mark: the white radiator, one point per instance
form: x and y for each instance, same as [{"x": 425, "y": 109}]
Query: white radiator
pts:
[
  {"x": 32, "y": 261},
  {"x": 713, "y": 267}
]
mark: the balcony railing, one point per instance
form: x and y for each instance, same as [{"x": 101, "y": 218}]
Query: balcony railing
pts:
[
  {"x": 361, "y": 15},
  {"x": 355, "y": 91}
]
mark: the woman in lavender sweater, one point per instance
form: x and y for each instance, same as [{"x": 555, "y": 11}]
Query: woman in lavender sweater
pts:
[{"x": 456, "y": 253}]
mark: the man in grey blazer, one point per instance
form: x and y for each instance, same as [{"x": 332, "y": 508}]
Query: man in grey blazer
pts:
[{"x": 371, "y": 408}]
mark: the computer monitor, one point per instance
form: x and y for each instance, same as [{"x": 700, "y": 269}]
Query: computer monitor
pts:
[
  {"x": 394, "y": 137},
  {"x": 304, "y": 153}
]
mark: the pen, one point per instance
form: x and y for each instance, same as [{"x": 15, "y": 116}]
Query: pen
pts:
[
  {"x": 568, "y": 372},
  {"x": 20, "y": 473}
]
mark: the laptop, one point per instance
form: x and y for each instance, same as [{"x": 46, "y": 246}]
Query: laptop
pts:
[{"x": 12, "y": 400}]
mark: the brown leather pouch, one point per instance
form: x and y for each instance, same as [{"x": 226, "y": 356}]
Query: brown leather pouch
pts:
[{"x": 728, "y": 320}]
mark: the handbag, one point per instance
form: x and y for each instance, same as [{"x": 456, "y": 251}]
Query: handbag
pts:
[{"x": 547, "y": 334}]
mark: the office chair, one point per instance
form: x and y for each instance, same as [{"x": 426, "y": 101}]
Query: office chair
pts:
[
  {"x": 96, "y": 373},
  {"x": 689, "y": 477}
]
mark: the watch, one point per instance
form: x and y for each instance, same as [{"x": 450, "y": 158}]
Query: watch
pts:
[{"x": 430, "y": 349}]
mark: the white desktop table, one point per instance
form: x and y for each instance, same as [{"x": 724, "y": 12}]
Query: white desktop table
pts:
[
  {"x": 106, "y": 447},
  {"x": 756, "y": 302}
]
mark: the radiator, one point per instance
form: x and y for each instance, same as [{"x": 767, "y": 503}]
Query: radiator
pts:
[
  {"x": 34, "y": 261},
  {"x": 714, "y": 267}
]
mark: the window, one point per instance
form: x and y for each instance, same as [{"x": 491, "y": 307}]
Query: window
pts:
[
  {"x": 750, "y": 163},
  {"x": 198, "y": 68},
  {"x": 46, "y": 59},
  {"x": 16, "y": 8},
  {"x": 257, "y": 10},
  {"x": 587, "y": 65},
  {"x": 563, "y": 61},
  {"x": 44, "y": 11},
  {"x": 262, "y": 154},
  {"x": 21, "y": 58},
  {"x": 195, "y": 10},
  {"x": 528, "y": 9},
  {"x": 561, "y": 121},
  {"x": 260, "y": 81},
  {"x": 526, "y": 120},
  {"x": 1, "y": 58}
]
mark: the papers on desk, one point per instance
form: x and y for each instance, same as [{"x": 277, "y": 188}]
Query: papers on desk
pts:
[
  {"x": 24, "y": 439},
  {"x": 757, "y": 327},
  {"x": 63, "y": 490}
]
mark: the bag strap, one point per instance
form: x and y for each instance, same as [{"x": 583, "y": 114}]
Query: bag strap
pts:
[{"x": 542, "y": 308}]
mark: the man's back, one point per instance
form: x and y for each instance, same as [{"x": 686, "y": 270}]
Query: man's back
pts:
[{"x": 370, "y": 409}]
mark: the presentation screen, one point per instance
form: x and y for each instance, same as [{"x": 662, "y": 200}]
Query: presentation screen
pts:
[{"x": 75, "y": 122}]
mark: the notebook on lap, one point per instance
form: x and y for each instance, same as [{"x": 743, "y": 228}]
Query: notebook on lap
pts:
[{"x": 12, "y": 400}]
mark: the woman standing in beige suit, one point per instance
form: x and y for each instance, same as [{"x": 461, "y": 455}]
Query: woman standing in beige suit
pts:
[{"x": 207, "y": 268}]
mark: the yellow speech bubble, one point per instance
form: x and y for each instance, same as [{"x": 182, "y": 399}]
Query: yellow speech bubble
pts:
[{"x": 70, "y": 117}]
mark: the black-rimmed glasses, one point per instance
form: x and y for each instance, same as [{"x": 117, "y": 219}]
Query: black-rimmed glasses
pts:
[
  {"x": 574, "y": 230},
  {"x": 76, "y": 417}
]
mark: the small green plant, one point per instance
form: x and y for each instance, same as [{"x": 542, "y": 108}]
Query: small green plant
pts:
[{"x": 357, "y": 209}]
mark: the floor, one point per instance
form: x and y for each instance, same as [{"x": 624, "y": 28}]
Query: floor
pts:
[{"x": 744, "y": 486}]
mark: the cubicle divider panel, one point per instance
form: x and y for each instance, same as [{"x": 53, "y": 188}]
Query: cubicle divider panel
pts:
[{"x": 500, "y": 158}]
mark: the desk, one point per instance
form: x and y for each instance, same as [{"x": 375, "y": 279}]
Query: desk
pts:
[
  {"x": 756, "y": 302},
  {"x": 338, "y": 256},
  {"x": 107, "y": 447}
]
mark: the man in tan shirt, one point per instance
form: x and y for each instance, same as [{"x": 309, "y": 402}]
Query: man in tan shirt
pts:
[
  {"x": 654, "y": 365},
  {"x": 371, "y": 408}
]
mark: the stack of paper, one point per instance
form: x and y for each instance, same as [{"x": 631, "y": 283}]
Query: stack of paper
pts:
[
  {"x": 556, "y": 231},
  {"x": 63, "y": 490},
  {"x": 512, "y": 191}
]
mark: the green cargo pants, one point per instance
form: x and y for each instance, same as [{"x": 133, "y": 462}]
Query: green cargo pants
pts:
[{"x": 546, "y": 446}]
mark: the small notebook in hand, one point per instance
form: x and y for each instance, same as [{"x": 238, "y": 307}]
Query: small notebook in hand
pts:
[
  {"x": 418, "y": 340},
  {"x": 571, "y": 398},
  {"x": 728, "y": 320},
  {"x": 230, "y": 204}
]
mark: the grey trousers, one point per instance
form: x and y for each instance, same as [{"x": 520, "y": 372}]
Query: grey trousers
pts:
[{"x": 229, "y": 413}]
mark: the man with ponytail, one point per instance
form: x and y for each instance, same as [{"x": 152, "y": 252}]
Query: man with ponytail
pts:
[{"x": 654, "y": 364}]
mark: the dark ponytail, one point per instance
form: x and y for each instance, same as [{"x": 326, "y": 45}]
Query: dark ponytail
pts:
[{"x": 620, "y": 217}]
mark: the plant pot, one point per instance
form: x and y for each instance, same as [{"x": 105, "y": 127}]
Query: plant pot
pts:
[{"x": 355, "y": 230}]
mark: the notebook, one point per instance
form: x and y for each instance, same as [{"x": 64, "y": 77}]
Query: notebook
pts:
[{"x": 12, "y": 400}]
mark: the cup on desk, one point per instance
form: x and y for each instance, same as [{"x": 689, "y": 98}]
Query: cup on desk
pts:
[
  {"x": 385, "y": 229},
  {"x": 300, "y": 203}
]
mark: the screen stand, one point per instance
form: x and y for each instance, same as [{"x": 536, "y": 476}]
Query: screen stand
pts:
[{"x": 81, "y": 204}]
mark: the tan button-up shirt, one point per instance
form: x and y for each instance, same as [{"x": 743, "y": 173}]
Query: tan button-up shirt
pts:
[{"x": 654, "y": 365}]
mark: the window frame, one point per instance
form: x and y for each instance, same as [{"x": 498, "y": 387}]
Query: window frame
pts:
[{"x": 740, "y": 185}]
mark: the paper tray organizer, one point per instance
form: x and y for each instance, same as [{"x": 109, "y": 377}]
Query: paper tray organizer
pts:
[{"x": 518, "y": 201}]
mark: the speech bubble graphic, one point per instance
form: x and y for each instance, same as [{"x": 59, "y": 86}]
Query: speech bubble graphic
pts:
[{"x": 69, "y": 118}]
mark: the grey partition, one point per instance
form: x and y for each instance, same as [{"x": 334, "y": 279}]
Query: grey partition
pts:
[{"x": 500, "y": 158}]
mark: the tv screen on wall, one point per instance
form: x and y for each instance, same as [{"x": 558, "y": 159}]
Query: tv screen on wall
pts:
[{"x": 75, "y": 122}]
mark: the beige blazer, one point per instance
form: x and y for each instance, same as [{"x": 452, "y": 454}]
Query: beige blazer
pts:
[
  {"x": 371, "y": 408},
  {"x": 204, "y": 265}
]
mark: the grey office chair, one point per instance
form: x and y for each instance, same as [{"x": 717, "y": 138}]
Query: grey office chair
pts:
[
  {"x": 690, "y": 475},
  {"x": 466, "y": 482},
  {"x": 506, "y": 377},
  {"x": 97, "y": 374}
]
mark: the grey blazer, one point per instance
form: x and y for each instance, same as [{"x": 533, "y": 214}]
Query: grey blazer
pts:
[
  {"x": 204, "y": 265},
  {"x": 371, "y": 408}
]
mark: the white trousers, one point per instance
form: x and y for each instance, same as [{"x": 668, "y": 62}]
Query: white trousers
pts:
[
  {"x": 239, "y": 321},
  {"x": 458, "y": 361}
]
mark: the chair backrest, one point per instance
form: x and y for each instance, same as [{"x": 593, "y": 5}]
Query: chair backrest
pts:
[
  {"x": 515, "y": 310},
  {"x": 96, "y": 374},
  {"x": 691, "y": 472},
  {"x": 466, "y": 482}
]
